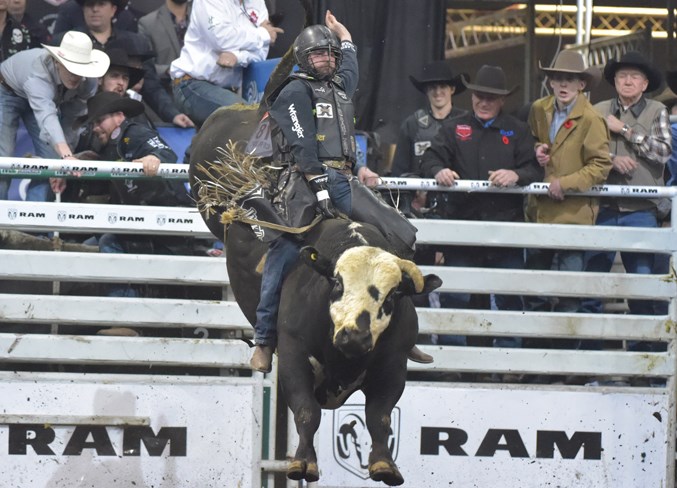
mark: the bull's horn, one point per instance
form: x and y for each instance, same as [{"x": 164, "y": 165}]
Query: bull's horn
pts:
[{"x": 412, "y": 270}]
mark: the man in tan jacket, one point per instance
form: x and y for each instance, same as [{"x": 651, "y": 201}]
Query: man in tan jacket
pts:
[{"x": 573, "y": 147}]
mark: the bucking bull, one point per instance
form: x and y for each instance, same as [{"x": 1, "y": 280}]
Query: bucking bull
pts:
[{"x": 346, "y": 320}]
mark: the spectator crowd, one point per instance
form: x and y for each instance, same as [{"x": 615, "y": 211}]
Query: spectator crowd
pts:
[{"x": 98, "y": 85}]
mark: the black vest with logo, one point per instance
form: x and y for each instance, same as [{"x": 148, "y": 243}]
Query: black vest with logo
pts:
[{"x": 334, "y": 118}]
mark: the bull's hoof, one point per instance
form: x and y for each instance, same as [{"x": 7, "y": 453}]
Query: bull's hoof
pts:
[
  {"x": 386, "y": 472},
  {"x": 301, "y": 470}
]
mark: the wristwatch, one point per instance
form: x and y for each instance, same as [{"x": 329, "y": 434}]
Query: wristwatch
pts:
[{"x": 624, "y": 130}]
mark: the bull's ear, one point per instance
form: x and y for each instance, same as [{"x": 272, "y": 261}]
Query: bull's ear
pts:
[
  {"x": 430, "y": 282},
  {"x": 315, "y": 260}
]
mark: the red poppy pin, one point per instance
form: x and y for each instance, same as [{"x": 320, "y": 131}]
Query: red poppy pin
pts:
[
  {"x": 568, "y": 124},
  {"x": 506, "y": 141}
]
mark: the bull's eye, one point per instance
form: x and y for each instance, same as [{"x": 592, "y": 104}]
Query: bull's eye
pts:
[{"x": 388, "y": 305}]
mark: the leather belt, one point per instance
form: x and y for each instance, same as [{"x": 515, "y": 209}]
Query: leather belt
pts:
[
  {"x": 176, "y": 81},
  {"x": 4, "y": 83},
  {"x": 338, "y": 165}
]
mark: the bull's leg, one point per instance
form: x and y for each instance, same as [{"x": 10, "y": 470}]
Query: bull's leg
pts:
[
  {"x": 383, "y": 390},
  {"x": 296, "y": 377}
]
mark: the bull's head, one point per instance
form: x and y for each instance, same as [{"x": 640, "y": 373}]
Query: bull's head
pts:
[{"x": 367, "y": 281}]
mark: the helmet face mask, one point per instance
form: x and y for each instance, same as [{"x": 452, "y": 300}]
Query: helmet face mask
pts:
[{"x": 318, "y": 39}]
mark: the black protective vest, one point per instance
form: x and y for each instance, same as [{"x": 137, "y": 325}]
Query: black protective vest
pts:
[
  {"x": 427, "y": 128},
  {"x": 334, "y": 118}
]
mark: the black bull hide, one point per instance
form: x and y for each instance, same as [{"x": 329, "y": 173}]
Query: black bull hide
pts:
[{"x": 313, "y": 372}]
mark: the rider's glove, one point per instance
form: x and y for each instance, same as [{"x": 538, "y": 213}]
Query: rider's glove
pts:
[{"x": 319, "y": 185}]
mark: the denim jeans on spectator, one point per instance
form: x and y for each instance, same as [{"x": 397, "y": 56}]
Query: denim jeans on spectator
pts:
[
  {"x": 12, "y": 109},
  {"x": 109, "y": 243},
  {"x": 282, "y": 254},
  {"x": 198, "y": 99},
  {"x": 476, "y": 257},
  {"x": 634, "y": 262},
  {"x": 559, "y": 260}
]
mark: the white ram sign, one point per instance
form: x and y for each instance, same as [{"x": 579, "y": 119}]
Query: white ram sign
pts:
[
  {"x": 447, "y": 435},
  {"x": 77, "y": 431}
]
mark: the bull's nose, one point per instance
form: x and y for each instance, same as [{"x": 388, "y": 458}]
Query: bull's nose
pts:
[{"x": 352, "y": 342}]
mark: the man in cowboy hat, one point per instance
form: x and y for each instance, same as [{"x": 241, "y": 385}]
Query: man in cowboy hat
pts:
[
  {"x": 486, "y": 144},
  {"x": 573, "y": 148},
  {"x": 123, "y": 139},
  {"x": 640, "y": 148},
  {"x": 439, "y": 84},
  {"x": 47, "y": 88},
  {"x": 99, "y": 25},
  {"x": 71, "y": 17}
]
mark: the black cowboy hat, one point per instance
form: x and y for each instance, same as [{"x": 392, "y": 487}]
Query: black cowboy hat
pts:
[
  {"x": 120, "y": 4},
  {"x": 490, "y": 79},
  {"x": 104, "y": 103},
  {"x": 438, "y": 72},
  {"x": 634, "y": 59},
  {"x": 671, "y": 80},
  {"x": 135, "y": 47},
  {"x": 118, "y": 57}
]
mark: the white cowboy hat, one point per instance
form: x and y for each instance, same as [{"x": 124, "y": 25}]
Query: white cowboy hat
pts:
[{"x": 75, "y": 53}]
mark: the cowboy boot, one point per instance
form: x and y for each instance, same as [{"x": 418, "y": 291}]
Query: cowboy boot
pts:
[
  {"x": 418, "y": 356},
  {"x": 262, "y": 358}
]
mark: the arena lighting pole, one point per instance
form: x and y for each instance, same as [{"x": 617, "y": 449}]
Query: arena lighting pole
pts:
[{"x": 530, "y": 52}]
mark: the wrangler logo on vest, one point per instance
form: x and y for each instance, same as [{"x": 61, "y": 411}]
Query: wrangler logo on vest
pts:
[
  {"x": 296, "y": 126},
  {"x": 324, "y": 111}
]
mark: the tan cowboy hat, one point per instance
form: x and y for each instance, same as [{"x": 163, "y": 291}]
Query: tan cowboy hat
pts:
[
  {"x": 573, "y": 62},
  {"x": 75, "y": 53},
  {"x": 490, "y": 79},
  {"x": 104, "y": 103}
]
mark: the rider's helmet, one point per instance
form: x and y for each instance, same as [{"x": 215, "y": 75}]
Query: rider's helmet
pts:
[{"x": 314, "y": 39}]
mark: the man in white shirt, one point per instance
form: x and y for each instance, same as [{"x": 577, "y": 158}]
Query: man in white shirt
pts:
[{"x": 223, "y": 37}]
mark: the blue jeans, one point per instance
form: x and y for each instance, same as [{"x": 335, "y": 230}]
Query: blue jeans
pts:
[
  {"x": 198, "y": 99},
  {"x": 476, "y": 257},
  {"x": 12, "y": 109},
  {"x": 282, "y": 254},
  {"x": 634, "y": 262},
  {"x": 109, "y": 243}
]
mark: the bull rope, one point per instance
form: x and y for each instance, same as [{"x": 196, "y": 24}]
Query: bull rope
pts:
[{"x": 232, "y": 176}]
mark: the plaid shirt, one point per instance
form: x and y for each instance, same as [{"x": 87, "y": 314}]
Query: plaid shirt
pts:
[{"x": 656, "y": 145}]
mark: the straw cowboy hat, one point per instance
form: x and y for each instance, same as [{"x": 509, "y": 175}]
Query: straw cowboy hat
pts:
[
  {"x": 104, "y": 103},
  {"x": 490, "y": 79},
  {"x": 118, "y": 57},
  {"x": 437, "y": 72},
  {"x": 634, "y": 59},
  {"x": 573, "y": 62},
  {"x": 75, "y": 53}
]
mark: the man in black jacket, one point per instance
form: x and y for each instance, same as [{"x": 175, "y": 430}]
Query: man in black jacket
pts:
[{"x": 486, "y": 144}]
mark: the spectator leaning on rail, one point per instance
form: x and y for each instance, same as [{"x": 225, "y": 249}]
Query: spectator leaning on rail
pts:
[
  {"x": 223, "y": 37},
  {"x": 640, "y": 148},
  {"x": 99, "y": 26},
  {"x": 123, "y": 139},
  {"x": 573, "y": 147},
  {"x": 484, "y": 144},
  {"x": 166, "y": 28},
  {"x": 48, "y": 89}
]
